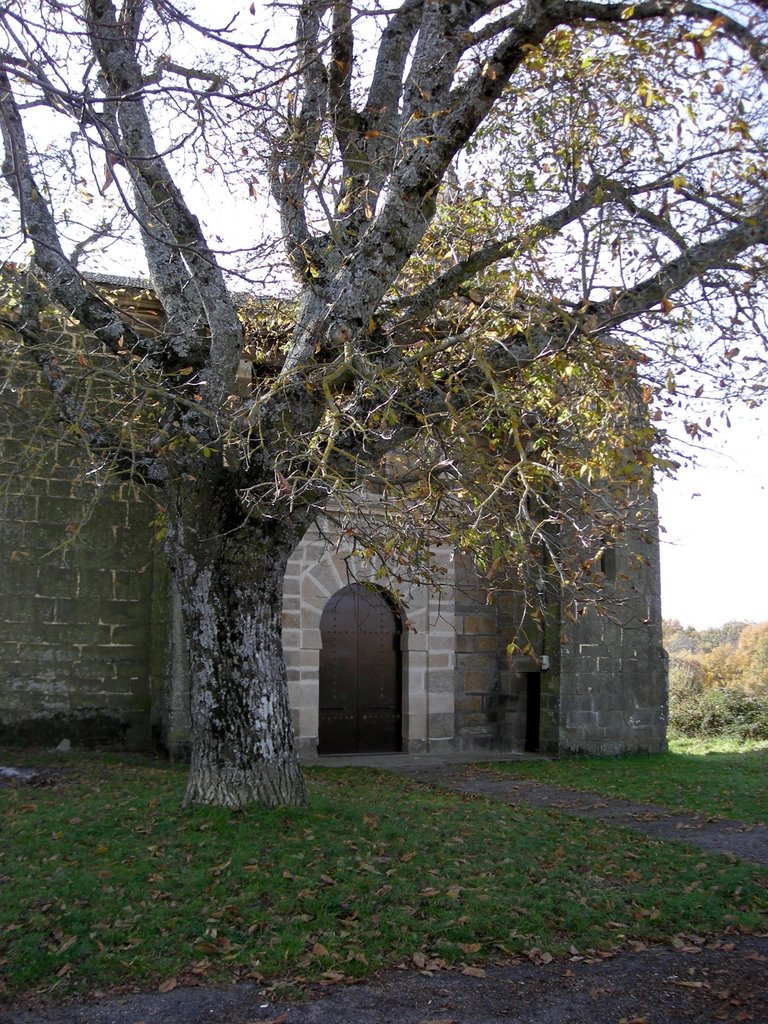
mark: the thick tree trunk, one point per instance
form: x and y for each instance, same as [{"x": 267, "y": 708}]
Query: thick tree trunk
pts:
[{"x": 230, "y": 572}]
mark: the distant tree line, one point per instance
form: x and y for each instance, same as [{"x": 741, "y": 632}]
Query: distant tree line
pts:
[
  {"x": 718, "y": 679},
  {"x": 734, "y": 655}
]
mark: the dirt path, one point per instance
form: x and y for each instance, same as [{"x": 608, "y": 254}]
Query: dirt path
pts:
[
  {"x": 750, "y": 842},
  {"x": 723, "y": 980}
]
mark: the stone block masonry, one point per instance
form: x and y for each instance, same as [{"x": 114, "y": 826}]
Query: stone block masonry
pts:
[{"x": 77, "y": 581}]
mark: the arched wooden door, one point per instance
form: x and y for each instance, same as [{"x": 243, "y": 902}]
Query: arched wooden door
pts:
[{"x": 360, "y": 674}]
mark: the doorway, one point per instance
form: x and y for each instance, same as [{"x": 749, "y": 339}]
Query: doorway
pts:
[
  {"x": 360, "y": 674},
  {"x": 533, "y": 712}
]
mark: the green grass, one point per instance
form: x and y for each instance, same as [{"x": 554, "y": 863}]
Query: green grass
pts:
[
  {"x": 719, "y": 778},
  {"x": 106, "y": 881}
]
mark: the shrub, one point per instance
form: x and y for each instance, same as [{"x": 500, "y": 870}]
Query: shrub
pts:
[{"x": 719, "y": 712}]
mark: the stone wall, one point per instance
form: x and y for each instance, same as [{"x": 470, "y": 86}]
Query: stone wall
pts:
[
  {"x": 612, "y": 669},
  {"x": 92, "y": 646},
  {"x": 490, "y": 696},
  {"x": 78, "y": 579}
]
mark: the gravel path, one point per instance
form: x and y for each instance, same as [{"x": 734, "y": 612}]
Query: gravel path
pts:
[{"x": 719, "y": 835}]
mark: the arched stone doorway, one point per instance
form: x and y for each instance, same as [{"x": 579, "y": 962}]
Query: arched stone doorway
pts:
[{"x": 360, "y": 674}]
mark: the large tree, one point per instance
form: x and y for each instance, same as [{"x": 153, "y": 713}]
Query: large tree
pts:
[{"x": 509, "y": 228}]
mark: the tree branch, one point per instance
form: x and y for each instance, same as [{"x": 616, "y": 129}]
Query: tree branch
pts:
[
  {"x": 294, "y": 153},
  {"x": 158, "y": 192},
  {"x": 38, "y": 225},
  {"x": 676, "y": 274}
]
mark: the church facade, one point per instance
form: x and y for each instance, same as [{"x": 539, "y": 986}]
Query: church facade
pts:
[{"x": 91, "y": 645}]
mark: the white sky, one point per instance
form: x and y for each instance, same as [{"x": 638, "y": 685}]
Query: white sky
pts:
[{"x": 714, "y": 555}]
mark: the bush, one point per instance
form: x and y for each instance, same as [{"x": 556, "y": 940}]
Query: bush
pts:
[{"x": 719, "y": 712}]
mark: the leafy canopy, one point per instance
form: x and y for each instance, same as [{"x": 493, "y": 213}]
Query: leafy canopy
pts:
[{"x": 516, "y": 234}]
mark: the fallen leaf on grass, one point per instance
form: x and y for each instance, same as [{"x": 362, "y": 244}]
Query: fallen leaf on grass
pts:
[
  {"x": 168, "y": 985},
  {"x": 331, "y": 977},
  {"x": 68, "y": 940},
  {"x": 220, "y": 945}
]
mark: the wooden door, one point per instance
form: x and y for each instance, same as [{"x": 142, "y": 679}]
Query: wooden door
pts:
[{"x": 360, "y": 674}]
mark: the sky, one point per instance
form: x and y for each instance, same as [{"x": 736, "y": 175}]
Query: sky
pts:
[{"x": 714, "y": 553}]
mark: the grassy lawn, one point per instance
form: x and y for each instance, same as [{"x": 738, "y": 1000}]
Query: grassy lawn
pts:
[
  {"x": 717, "y": 778},
  {"x": 105, "y": 881}
]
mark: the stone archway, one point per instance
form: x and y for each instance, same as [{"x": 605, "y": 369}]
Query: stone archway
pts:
[{"x": 360, "y": 677}]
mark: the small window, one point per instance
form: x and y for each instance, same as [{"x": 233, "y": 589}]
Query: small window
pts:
[{"x": 608, "y": 562}]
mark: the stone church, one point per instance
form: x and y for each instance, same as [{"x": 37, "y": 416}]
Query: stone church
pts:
[{"x": 91, "y": 645}]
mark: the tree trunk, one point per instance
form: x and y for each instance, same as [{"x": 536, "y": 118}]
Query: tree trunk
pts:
[{"x": 229, "y": 571}]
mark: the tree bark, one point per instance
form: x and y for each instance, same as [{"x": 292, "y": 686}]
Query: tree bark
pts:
[{"x": 229, "y": 570}]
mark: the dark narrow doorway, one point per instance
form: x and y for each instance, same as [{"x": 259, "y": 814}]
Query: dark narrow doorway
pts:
[
  {"x": 533, "y": 712},
  {"x": 360, "y": 674}
]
